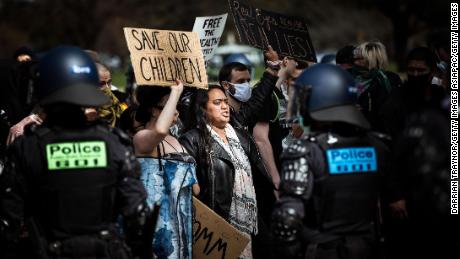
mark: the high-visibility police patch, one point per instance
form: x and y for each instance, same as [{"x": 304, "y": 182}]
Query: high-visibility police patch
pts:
[
  {"x": 76, "y": 155},
  {"x": 352, "y": 160}
]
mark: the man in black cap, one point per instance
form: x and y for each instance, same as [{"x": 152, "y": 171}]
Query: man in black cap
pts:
[
  {"x": 66, "y": 182},
  {"x": 330, "y": 179}
]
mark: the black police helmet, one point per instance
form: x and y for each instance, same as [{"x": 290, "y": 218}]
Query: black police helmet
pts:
[
  {"x": 68, "y": 75},
  {"x": 326, "y": 93}
]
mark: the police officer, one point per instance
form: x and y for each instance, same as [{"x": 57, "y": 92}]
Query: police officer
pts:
[
  {"x": 330, "y": 179},
  {"x": 66, "y": 182},
  {"x": 419, "y": 199}
]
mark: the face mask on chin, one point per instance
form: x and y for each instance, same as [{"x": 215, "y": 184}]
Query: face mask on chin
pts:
[{"x": 242, "y": 92}]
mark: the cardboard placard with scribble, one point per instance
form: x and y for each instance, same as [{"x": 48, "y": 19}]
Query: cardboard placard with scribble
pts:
[
  {"x": 159, "y": 57},
  {"x": 287, "y": 35},
  {"x": 213, "y": 237}
]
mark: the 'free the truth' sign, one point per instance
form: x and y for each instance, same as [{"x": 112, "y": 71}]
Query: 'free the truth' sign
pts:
[{"x": 160, "y": 57}]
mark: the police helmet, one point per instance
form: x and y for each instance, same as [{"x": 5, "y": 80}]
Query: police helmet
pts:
[
  {"x": 326, "y": 93},
  {"x": 68, "y": 75}
]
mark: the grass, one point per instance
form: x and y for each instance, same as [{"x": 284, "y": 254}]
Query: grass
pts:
[{"x": 119, "y": 79}]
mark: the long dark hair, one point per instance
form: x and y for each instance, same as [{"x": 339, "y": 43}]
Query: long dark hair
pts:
[
  {"x": 148, "y": 97},
  {"x": 202, "y": 120}
]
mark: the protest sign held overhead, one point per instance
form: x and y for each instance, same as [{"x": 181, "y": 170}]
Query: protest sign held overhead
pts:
[
  {"x": 209, "y": 30},
  {"x": 287, "y": 35},
  {"x": 160, "y": 57},
  {"x": 213, "y": 237}
]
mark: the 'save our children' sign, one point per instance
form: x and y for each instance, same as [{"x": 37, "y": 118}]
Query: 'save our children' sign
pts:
[{"x": 159, "y": 57}]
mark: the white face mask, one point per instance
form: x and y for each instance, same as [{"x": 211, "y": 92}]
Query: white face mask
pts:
[
  {"x": 242, "y": 92},
  {"x": 436, "y": 81}
]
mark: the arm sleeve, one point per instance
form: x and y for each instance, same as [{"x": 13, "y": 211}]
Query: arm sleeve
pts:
[
  {"x": 251, "y": 110},
  {"x": 190, "y": 144}
]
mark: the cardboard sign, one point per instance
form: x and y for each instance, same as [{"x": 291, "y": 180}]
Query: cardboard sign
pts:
[
  {"x": 159, "y": 57},
  {"x": 213, "y": 237},
  {"x": 209, "y": 30},
  {"x": 259, "y": 28}
]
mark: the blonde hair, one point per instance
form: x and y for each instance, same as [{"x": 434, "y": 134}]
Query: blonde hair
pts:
[{"x": 374, "y": 53}]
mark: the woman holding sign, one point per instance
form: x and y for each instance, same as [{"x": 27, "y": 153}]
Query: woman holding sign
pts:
[
  {"x": 230, "y": 169},
  {"x": 167, "y": 171}
]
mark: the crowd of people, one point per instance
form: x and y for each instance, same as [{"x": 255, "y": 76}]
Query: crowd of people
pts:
[{"x": 280, "y": 160}]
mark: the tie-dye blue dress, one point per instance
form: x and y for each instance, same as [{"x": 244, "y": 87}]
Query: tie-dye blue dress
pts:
[{"x": 168, "y": 181}]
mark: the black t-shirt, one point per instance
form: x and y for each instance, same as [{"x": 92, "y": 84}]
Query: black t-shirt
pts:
[{"x": 276, "y": 132}]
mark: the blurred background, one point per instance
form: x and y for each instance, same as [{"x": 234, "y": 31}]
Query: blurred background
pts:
[{"x": 97, "y": 25}]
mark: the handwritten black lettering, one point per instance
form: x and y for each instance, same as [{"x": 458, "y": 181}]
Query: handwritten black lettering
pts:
[
  {"x": 212, "y": 23},
  {"x": 209, "y": 42},
  {"x": 207, "y": 51},
  {"x": 195, "y": 69},
  {"x": 144, "y": 59},
  {"x": 185, "y": 42},
  {"x": 146, "y": 40},
  {"x": 209, "y": 33},
  {"x": 181, "y": 45},
  {"x": 202, "y": 232},
  {"x": 155, "y": 37},
  {"x": 173, "y": 42},
  {"x": 178, "y": 67},
  {"x": 155, "y": 69},
  {"x": 135, "y": 33},
  {"x": 171, "y": 67}
]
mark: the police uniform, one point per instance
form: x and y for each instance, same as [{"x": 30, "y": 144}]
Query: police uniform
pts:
[
  {"x": 331, "y": 178},
  {"x": 66, "y": 182}
]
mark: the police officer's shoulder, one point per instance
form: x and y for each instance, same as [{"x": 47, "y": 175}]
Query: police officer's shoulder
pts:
[
  {"x": 122, "y": 136},
  {"x": 385, "y": 138},
  {"x": 315, "y": 136},
  {"x": 380, "y": 136},
  {"x": 115, "y": 134},
  {"x": 33, "y": 129},
  {"x": 30, "y": 138}
]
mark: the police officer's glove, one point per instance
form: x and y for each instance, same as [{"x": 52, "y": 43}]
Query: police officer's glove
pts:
[
  {"x": 286, "y": 224},
  {"x": 294, "y": 177}
]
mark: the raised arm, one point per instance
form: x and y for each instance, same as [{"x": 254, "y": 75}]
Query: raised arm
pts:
[
  {"x": 250, "y": 111},
  {"x": 147, "y": 139}
]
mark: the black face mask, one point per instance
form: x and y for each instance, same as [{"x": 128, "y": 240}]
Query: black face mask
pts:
[
  {"x": 417, "y": 85},
  {"x": 359, "y": 70},
  {"x": 421, "y": 81}
]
